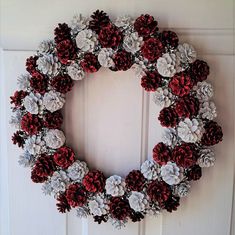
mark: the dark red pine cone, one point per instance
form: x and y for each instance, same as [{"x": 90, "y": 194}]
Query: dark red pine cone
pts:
[
  {"x": 151, "y": 81},
  {"x": 36, "y": 178},
  {"x": 199, "y": 71},
  {"x": 152, "y": 49},
  {"x": 31, "y": 64},
  {"x": 172, "y": 203},
  {"x": 66, "y": 51},
  {"x": 99, "y": 19},
  {"x": 185, "y": 155},
  {"x": 146, "y": 26},
  {"x": 123, "y": 60},
  {"x": 136, "y": 216},
  {"x": 53, "y": 120},
  {"x": 31, "y": 124},
  {"x": 62, "y": 204},
  {"x": 135, "y": 181},
  {"x": 168, "y": 117},
  {"x": 161, "y": 153},
  {"x": 44, "y": 167},
  {"x": 187, "y": 106},
  {"x": 100, "y": 219},
  {"x": 194, "y": 173},
  {"x": 213, "y": 134},
  {"x": 39, "y": 83},
  {"x": 158, "y": 191},
  {"x": 62, "y": 83},
  {"x": 90, "y": 63},
  {"x": 62, "y": 32},
  {"x": 76, "y": 195},
  {"x": 18, "y": 138},
  {"x": 119, "y": 208},
  {"x": 94, "y": 181},
  {"x": 64, "y": 157},
  {"x": 18, "y": 97},
  {"x": 181, "y": 84},
  {"x": 110, "y": 36},
  {"x": 169, "y": 38}
]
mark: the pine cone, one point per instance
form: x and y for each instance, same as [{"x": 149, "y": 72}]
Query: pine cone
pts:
[
  {"x": 136, "y": 216},
  {"x": 62, "y": 83},
  {"x": 18, "y": 138},
  {"x": 100, "y": 219},
  {"x": 151, "y": 81},
  {"x": 76, "y": 195},
  {"x": 119, "y": 208},
  {"x": 99, "y": 20},
  {"x": 44, "y": 167},
  {"x": 94, "y": 181},
  {"x": 135, "y": 180},
  {"x": 62, "y": 32},
  {"x": 161, "y": 153},
  {"x": 168, "y": 117},
  {"x": 62, "y": 204},
  {"x": 169, "y": 38},
  {"x": 187, "y": 106},
  {"x": 213, "y": 134},
  {"x": 172, "y": 203},
  {"x": 194, "y": 173}
]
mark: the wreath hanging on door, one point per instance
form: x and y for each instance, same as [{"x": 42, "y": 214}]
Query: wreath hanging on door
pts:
[{"x": 165, "y": 67}]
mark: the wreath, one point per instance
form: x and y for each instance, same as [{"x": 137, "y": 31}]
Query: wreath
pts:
[{"x": 165, "y": 67}]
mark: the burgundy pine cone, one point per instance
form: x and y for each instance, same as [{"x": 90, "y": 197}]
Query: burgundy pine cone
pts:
[
  {"x": 123, "y": 60},
  {"x": 146, "y": 26},
  {"x": 62, "y": 83},
  {"x": 151, "y": 81},
  {"x": 119, "y": 208},
  {"x": 66, "y": 51},
  {"x": 152, "y": 49},
  {"x": 169, "y": 38},
  {"x": 62, "y": 32},
  {"x": 64, "y": 157},
  {"x": 18, "y": 97},
  {"x": 213, "y": 134},
  {"x": 100, "y": 219},
  {"x": 158, "y": 191},
  {"x": 181, "y": 84},
  {"x": 110, "y": 36},
  {"x": 172, "y": 203},
  {"x": 187, "y": 106},
  {"x": 31, "y": 123},
  {"x": 136, "y": 216},
  {"x": 194, "y": 173},
  {"x": 39, "y": 83},
  {"x": 161, "y": 153},
  {"x": 62, "y": 204},
  {"x": 43, "y": 167},
  {"x": 99, "y": 19},
  {"x": 53, "y": 120},
  {"x": 199, "y": 71},
  {"x": 18, "y": 138},
  {"x": 168, "y": 117},
  {"x": 90, "y": 63},
  {"x": 185, "y": 155},
  {"x": 135, "y": 181},
  {"x": 76, "y": 195},
  {"x": 94, "y": 181},
  {"x": 31, "y": 64}
]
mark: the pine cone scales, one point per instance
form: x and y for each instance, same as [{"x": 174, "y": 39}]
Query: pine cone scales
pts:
[
  {"x": 99, "y": 20},
  {"x": 62, "y": 204},
  {"x": 62, "y": 32}
]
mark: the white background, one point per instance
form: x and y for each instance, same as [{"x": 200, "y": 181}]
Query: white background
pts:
[{"x": 112, "y": 122}]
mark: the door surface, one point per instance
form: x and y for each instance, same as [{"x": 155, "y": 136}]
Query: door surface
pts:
[{"x": 112, "y": 123}]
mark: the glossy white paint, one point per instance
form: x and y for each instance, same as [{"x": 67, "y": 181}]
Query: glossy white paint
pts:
[{"x": 112, "y": 123}]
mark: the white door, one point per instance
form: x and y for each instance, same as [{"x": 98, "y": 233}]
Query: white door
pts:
[{"x": 111, "y": 121}]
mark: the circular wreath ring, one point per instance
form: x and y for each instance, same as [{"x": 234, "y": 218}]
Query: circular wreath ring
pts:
[{"x": 164, "y": 66}]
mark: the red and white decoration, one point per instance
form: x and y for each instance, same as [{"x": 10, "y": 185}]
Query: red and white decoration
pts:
[{"x": 164, "y": 66}]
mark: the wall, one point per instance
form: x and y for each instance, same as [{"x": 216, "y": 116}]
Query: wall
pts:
[{"x": 111, "y": 121}]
